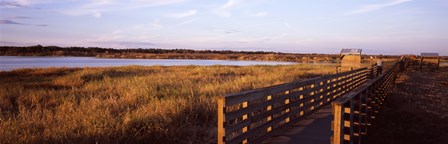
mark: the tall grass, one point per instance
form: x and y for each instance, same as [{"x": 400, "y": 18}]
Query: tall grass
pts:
[{"x": 131, "y": 104}]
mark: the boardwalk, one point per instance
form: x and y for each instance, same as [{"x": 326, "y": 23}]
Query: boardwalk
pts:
[
  {"x": 300, "y": 112},
  {"x": 253, "y": 116},
  {"x": 316, "y": 129}
]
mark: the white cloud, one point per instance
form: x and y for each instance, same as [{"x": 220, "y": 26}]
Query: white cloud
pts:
[
  {"x": 223, "y": 10},
  {"x": 184, "y": 14},
  {"x": 373, "y": 7}
]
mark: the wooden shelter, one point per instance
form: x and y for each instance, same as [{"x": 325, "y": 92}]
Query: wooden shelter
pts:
[
  {"x": 430, "y": 59},
  {"x": 351, "y": 58}
]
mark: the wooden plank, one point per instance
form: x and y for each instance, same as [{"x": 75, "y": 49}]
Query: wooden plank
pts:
[
  {"x": 271, "y": 123},
  {"x": 274, "y": 110},
  {"x": 260, "y": 128},
  {"x": 236, "y": 127},
  {"x": 263, "y": 92},
  {"x": 258, "y": 117},
  {"x": 277, "y": 130},
  {"x": 256, "y": 107}
]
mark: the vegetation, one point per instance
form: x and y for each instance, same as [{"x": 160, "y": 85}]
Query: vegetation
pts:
[
  {"x": 163, "y": 54},
  {"x": 130, "y": 104}
]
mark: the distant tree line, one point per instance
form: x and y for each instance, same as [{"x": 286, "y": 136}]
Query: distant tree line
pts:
[
  {"x": 157, "y": 53},
  {"x": 39, "y": 50}
]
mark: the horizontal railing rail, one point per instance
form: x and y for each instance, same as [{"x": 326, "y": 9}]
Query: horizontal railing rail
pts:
[
  {"x": 356, "y": 111},
  {"x": 255, "y": 115}
]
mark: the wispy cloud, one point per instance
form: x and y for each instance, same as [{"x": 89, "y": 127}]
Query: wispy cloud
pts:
[
  {"x": 186, "y": 22},
  {"x": 6, "y": 4},
  {"x": 116, "y": 35},
  {"x": 126, "y": 44},
  {"x": 260, "y": 14},
  {"x": 373, "y": 7},
  {"x": 26, "y": 3},
  {"x": 223, "y": 10},
  {"x": 230, "y": 4},
  {"x": 156, "y": 24},
  {"x": 19, "y": 17},
  {"x": 10, "y": 22},
  {"x": 96, "y": 8},
  {"x": 183, "y": 14},
  {"x": 17, "y": 23},
  {"x": 286, "y": 24}
]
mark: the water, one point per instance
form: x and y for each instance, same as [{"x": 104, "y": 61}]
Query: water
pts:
[{"x": 8, "y": 63}]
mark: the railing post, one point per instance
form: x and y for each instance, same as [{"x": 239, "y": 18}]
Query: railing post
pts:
[
  {"x": 421, "y": 63},
  {"x": 221, "y": 120},
  {"x": 338, "y": 124},
  {"x": 352, "y": 121}
]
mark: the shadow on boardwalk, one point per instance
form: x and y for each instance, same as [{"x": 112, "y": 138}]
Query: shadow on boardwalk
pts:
[
  {"x": 416, "y": 111},
  {"x": 316, "y": 129}
]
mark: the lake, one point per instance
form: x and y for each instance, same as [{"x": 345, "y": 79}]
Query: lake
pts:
[{"x": 8, "y": 63}]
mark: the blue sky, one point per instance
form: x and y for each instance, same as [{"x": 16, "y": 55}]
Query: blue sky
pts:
[{"x": 298, "y": 26}]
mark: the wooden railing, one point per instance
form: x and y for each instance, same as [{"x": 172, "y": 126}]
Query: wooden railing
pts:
[
  {"x": 253, "y": 116},
  {"x": 355, "y": 112},
  {"x": 374, "y": 71}
]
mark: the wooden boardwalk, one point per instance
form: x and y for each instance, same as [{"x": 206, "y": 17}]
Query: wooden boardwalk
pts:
[
  {"x": 256, "y": 115},
  {"x": 335, "y": 108},
  {"x": 316, "y": 129}
]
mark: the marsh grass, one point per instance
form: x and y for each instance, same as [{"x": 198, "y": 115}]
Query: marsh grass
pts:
[{"x": 132, "y": 104}]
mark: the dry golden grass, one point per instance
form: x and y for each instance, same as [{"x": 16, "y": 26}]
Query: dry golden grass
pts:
[{"x": 127, "y": 104}]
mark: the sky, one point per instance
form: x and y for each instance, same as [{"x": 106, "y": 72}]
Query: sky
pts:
[{"x": 293, "y": 26}]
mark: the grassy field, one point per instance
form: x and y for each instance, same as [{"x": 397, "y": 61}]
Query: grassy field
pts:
[{"x": 127, "y": 104}]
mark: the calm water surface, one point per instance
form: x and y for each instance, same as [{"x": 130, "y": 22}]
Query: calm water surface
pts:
[{"x": 8, "y": 63}]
